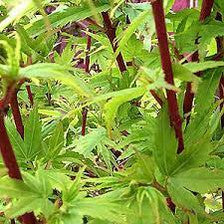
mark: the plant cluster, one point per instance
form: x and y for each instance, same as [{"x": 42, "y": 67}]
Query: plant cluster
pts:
[{"x": 111, "y": 112}]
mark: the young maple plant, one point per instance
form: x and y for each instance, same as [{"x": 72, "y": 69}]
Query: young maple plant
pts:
[{"x": 111, "y": 112}]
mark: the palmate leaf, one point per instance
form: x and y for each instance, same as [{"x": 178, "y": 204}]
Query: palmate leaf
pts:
[
  {"x": 67, "y": 219},
  {"x": 95, "y": 140},
  {"x": 199, "y": 124},
  {"x": 68, "y": 15},
  {"x": 126, "y": 35},
  {"x": 120, "y": 97},
  {"x": 142, "y": 171},
  {"x": 100, "y": 208},
  {"x": 29, "y": 204},
  {"x": 16, "y": 141},
  {"x": 166, "y": 144},
  {"x": 31, "y": 146},
  {"x": 32, "y": 135},
  {"x": 182, "y": 197},
  {"x": 57, "y": 72},
  {"x": 201, "y": 66},
  {"x": 193, "y": 156},
  {"x": 37, "y": 200},
  {"x": 88, "y": 142},
  {"x": 207, "y": 89},
  {"x": 56, "y": 142},
  {"x": 200, "y": 180},
  {"x": 149, "y": 199},
  {"x": 13, "y": 188},
  {"x": 30, "y": 195}
]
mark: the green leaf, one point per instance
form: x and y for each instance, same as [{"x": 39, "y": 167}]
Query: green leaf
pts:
[
  {"x": 65, "y": 16},
  {"x": 120, "y": 97},
  {"x": 100, "y": 208},
  {"x": 88, "y": 142},
  {"x": 184, "y": 74},
  {"x": 56, "y": 141},
  {"x": 16, "y": 141},
  {"x": 201, "y": 179},
  {"x": 57, "y": 72},
  {"x": 166, "y": 144},
  {"x": 194, "y": 155},
  {"x": 199, "y": 125},
  {"x": 149, "y": 199},
  {"x": 32, "y": 135},
  {"x": 125, "y": 36},
  {"x": 142, "y": 171},
  {"x": 201, "y": 66},
  {"x": 206, "y": 90},
  {"x": 28, "y": 204},
  {"x": 67, "y": 55},
  {"x": 13, "y": 188},
  {"x": 16, "y": 13},
  {"x": 182, "y": 197}
]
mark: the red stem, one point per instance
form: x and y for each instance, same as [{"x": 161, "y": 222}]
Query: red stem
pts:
[
  {"x": 87, "y": 70},
  {"x": 7, "y": 152},
  {"x": 87, "y": 59},
  {"x": 175, "y": 118},
  {"x": 189, "y": 95},
  {"x": 156, "y": 97},
  {"x": 84, "y": 120},
  {"x": 206, "y": 9},
  {"x": 30, "y": 94},
  {"x": 111, "y": 33},
  {"x": 16, "y": 114}
]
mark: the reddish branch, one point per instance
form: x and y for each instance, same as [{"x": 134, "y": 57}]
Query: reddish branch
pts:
[
  {"x": 87, "y": 70},
  {"x": 84, "y": 120},
  {"x": 175, "y": 117},
  {"x": 30, "y": 94},
  {"x": 6, "y": 149},
  {"x": 111, "y": 34},
  {"x": 16, "y": 113},
  {"x": 189, "y": 95},
  {"x": 206, "y": 9},
  {"x": 87, "y": 59},
  {"x": 28, "y": 89}
]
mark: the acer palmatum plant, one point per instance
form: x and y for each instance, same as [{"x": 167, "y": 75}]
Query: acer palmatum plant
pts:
[{"x": 109, "y": 134}]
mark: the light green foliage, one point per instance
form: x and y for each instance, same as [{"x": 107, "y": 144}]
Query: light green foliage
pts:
[
  {"x": 166, "y": 144},
  {"x": 99, "y": 146},
  {"x": 57, "y": 72}
]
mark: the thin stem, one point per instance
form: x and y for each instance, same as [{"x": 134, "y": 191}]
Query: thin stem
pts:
[
  {"x": 175, "y": 117},
  {"x": 156, "y": 97},
  {"x": 111, "y": 33},
  {"x": 7, "y": 152},
  {"x": 16, "y": 114},
  {"x": 30, "y": 94},
  {"x": 87, "y": 70},
  {"x": 84, "y": 120},
  {"x": 189, "y": 95},
  {"x": 87, "y": 59}
]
